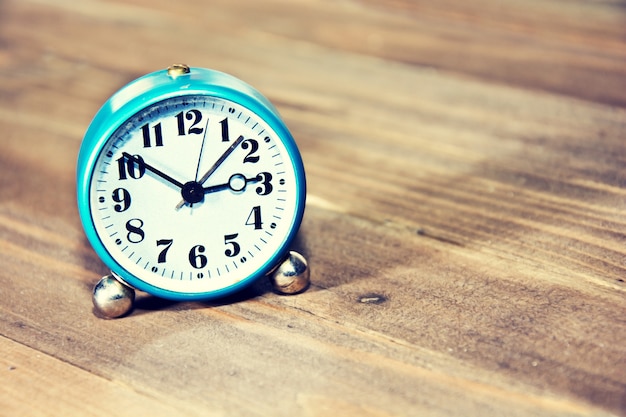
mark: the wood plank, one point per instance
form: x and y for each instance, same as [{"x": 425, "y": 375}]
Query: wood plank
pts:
[
  {"x": 276, "y": 357},
  {"x": 464, "y": 225},
  {"x": 35, "y": 384}
]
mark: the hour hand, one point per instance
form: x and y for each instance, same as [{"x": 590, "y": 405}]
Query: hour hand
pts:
[
  {"x": 236, "y": 183},
  {"x": 193, "y": 192},
  {"x": 142, "y": 164}
]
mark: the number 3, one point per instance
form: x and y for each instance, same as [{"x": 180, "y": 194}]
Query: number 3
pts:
[{"x": 266, "y": 187}]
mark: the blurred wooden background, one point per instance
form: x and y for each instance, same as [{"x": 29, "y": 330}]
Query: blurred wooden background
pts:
[{"x": 465, "y": 224}]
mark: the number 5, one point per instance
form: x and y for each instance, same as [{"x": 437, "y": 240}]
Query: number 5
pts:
[{"x": 235, "y": 248}]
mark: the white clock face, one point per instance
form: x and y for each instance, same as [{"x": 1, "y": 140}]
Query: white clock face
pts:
[{"x": 193, "y": 195}]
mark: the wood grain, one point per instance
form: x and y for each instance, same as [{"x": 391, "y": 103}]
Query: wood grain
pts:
[{"x": 465, "y": 220}]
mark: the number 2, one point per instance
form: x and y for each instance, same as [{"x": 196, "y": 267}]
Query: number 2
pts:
[{"x": 254, "y": 147}]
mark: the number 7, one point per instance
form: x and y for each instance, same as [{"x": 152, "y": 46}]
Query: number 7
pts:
[{"x": 167, "y": 243}]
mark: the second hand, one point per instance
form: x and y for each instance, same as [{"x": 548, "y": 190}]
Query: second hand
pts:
[{"x": 206, "y": 128}]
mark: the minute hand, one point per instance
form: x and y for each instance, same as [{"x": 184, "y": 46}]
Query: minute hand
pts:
[{"x": 220, "y": 160}]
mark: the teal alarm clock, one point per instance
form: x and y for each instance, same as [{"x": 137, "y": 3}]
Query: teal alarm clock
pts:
[{"x": 190, "y": 187}]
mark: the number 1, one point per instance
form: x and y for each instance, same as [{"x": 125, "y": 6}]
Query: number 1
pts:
[{"x": 225, "y": 134}]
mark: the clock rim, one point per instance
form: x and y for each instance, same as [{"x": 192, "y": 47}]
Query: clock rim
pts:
[{"x": 147, "y": 91}]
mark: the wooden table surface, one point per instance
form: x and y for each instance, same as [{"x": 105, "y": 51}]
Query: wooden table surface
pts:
[{"x": 465, "y": 221}]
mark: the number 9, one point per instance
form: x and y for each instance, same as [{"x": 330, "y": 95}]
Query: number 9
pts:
[{"x": 122, "y": 196}]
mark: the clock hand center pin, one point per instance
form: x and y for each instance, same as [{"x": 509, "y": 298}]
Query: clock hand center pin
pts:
[{"x": 192, "y": 192}]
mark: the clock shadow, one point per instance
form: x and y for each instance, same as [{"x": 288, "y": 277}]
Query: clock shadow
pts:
[
  {"x": 299, "y": 244},
  {"x": 146, "y": 303}
]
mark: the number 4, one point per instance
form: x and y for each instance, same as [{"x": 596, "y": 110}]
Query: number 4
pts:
[{"x": 254, "y": 218}]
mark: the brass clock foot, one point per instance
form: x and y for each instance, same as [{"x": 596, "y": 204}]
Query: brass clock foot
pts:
[
  {"x": 112, "y": 298},
  {"x": 292, "y": 276}
]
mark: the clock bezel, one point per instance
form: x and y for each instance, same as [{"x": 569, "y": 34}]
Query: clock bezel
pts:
[{"x": 150, "y": 90}]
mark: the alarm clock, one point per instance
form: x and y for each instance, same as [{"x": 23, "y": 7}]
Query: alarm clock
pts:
[{"x": 190, "y": 187}]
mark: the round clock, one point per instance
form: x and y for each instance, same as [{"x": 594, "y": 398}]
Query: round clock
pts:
[{"x": 190, "y": 187}]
